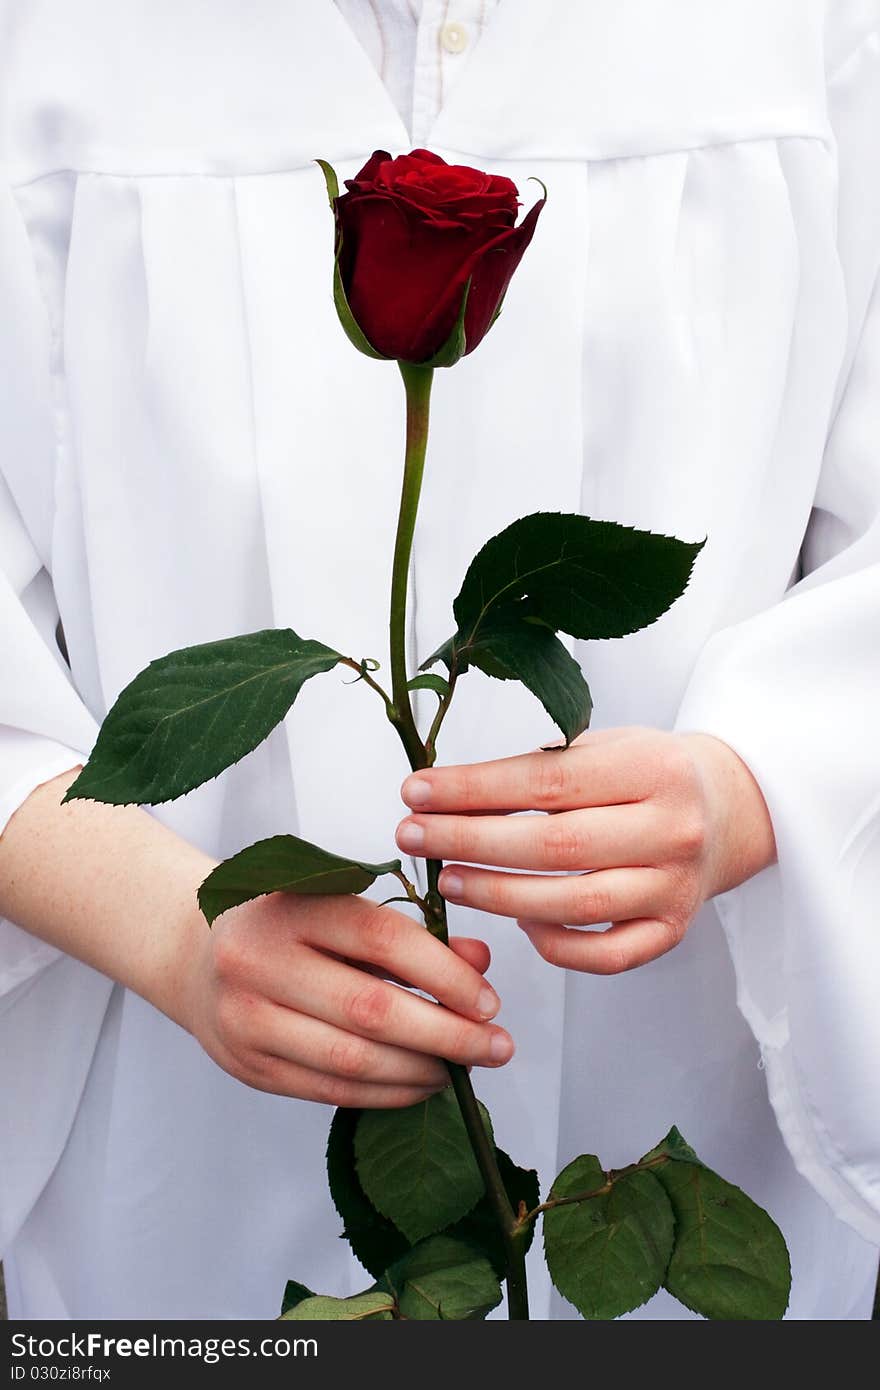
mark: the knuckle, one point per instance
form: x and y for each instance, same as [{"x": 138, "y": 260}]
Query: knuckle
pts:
[
  {"x": 349, "y": 1058},
  {"x": 380, "y": 933},
  {"x": 548, "y": 780},
  {"x": 450, "y": 979},
  {"x": 333, "y": 1090},
  {"x": 554, "y": 947},
  {"x": 255, "y": 1069},
  {"x": 358, "y": 911},
  {"x": 459, "y": 834},
  {"x": 672, "y": 764},
  {"x": 367, "y": 1008},
  {"x": 670, "y": 931},
  {"x": 264, "y": 1068},
  {"x": 595, "y": 904},
  {"x": 614, "y": 961},
  {"x": 464, "y": 1042},
  {"x": 690, "y": 834},
  {"x": 684, "y": 896},
  {"x": 466, "y": 787},
  {"x": 228, "y": 1013},
  {"x": 493, "y": 892},
  {"x": 565, "y": 848},
  {"x": 230, "y": 956}
]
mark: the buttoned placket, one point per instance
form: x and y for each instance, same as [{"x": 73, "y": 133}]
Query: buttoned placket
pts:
[{"x": 448, "y": 32}]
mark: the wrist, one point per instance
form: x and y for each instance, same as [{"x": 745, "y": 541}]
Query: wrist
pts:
[
  {"x": 173, "y": 973},
  {"x": 740, "y": 841},
  {"x": 111, "y": 886}
]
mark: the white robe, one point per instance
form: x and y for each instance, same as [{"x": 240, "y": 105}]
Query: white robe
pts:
[{"x": 192, "y": 449}]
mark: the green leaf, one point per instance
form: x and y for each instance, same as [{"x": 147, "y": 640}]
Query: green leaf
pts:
[
  {"x": 439, "y": 684},
  {"x": 351, "y": 327},
  {"x": 374, "y": 1240},
  {"x": 416, "y": 1165},
  {"x": 730, "y": 1260},
  {"x": 479, "y": 1228},
  {"x": 591, "y": 579},
  {"x": 510, "y": 647},
  {"x": 607, "y": 1254},
  {"x": 588, "y": 578},
  {"x": 195, "y": 712},
  {"x": 373, "y": 1306},
  {"x": 284, "y": 864},
  {"x": 442, "y": 1280},
  {"x": 294, "y": 1293},
  {"x": 673, "y": 1146},
  {"x": 455, "y": 346}
]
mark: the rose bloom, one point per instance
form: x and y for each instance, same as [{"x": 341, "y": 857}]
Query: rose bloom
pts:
[{"x": 414, "y": 230}]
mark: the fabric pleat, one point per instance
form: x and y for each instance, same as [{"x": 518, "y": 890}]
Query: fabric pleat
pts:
[{"x": 191, "y": 449}]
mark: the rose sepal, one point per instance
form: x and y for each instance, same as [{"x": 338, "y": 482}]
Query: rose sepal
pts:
[
  {"x": 352, "y": 329},
  {"x": 455, "y": 347}
]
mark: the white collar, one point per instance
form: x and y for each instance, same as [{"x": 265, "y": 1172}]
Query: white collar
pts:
[{"x": 129, "y": 86}]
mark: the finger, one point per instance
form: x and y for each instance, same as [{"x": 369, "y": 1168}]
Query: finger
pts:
[
  {"x": 623, "y": 946},
  {"x": 608, "y": 895},
  {"x": 597, "y": 771},
  {"x": 311, "y": 1043},
  {"x": 282, "y": 1078},
  {"x": 402, "y": 948},
  {"x": 476, "y": 953},
  {"x": 597, "y": 838},
  {"x": 359, "y": 1003}
]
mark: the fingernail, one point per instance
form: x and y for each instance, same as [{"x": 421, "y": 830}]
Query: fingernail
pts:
[
  {"x": 416, "y": 791},
  {"x": 500, "y": 1047},
  {"x": 410, "y": 835},
  {"x": 450, "y": 885},
  {"x": 488, "y": 1003}
]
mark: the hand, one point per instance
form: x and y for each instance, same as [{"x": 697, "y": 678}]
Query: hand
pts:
[
  {"x": 651, "y": 823},
  {"x": 277, "y": 998}
]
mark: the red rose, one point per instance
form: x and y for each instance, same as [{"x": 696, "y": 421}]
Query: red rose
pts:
[{"x": 411, "y": 233}]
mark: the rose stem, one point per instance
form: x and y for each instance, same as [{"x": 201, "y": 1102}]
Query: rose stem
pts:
[{"x": 417, "y": 382}]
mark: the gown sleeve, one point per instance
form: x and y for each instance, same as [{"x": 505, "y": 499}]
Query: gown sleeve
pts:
[
  {"x": 795, "y": 691},
  {"x": 45, "y": 728},
  {"x": 52, "y": 1007}
]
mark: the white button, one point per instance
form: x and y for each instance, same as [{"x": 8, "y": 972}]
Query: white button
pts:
[{"x": 454, "y": 38}]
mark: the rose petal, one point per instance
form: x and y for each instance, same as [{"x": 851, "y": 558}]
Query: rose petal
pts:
[
  {"x": 490, "y": 270},
  {"x": 414, "y": 230}
]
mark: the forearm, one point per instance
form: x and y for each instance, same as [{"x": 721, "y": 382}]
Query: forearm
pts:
[{"x": 109, "y": 885}]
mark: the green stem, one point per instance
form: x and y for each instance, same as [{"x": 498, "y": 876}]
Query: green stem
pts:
[
  {"x": 417, "y": 381},
  {"x": 611, "y": 1177},
  {"x": 513, "y": 1234},
  {"x": 442, "y": 711},
  {"x": 364, "y": 675}
]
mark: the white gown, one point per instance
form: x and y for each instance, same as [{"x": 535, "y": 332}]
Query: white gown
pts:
[{"x": 190, "y": 448}]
